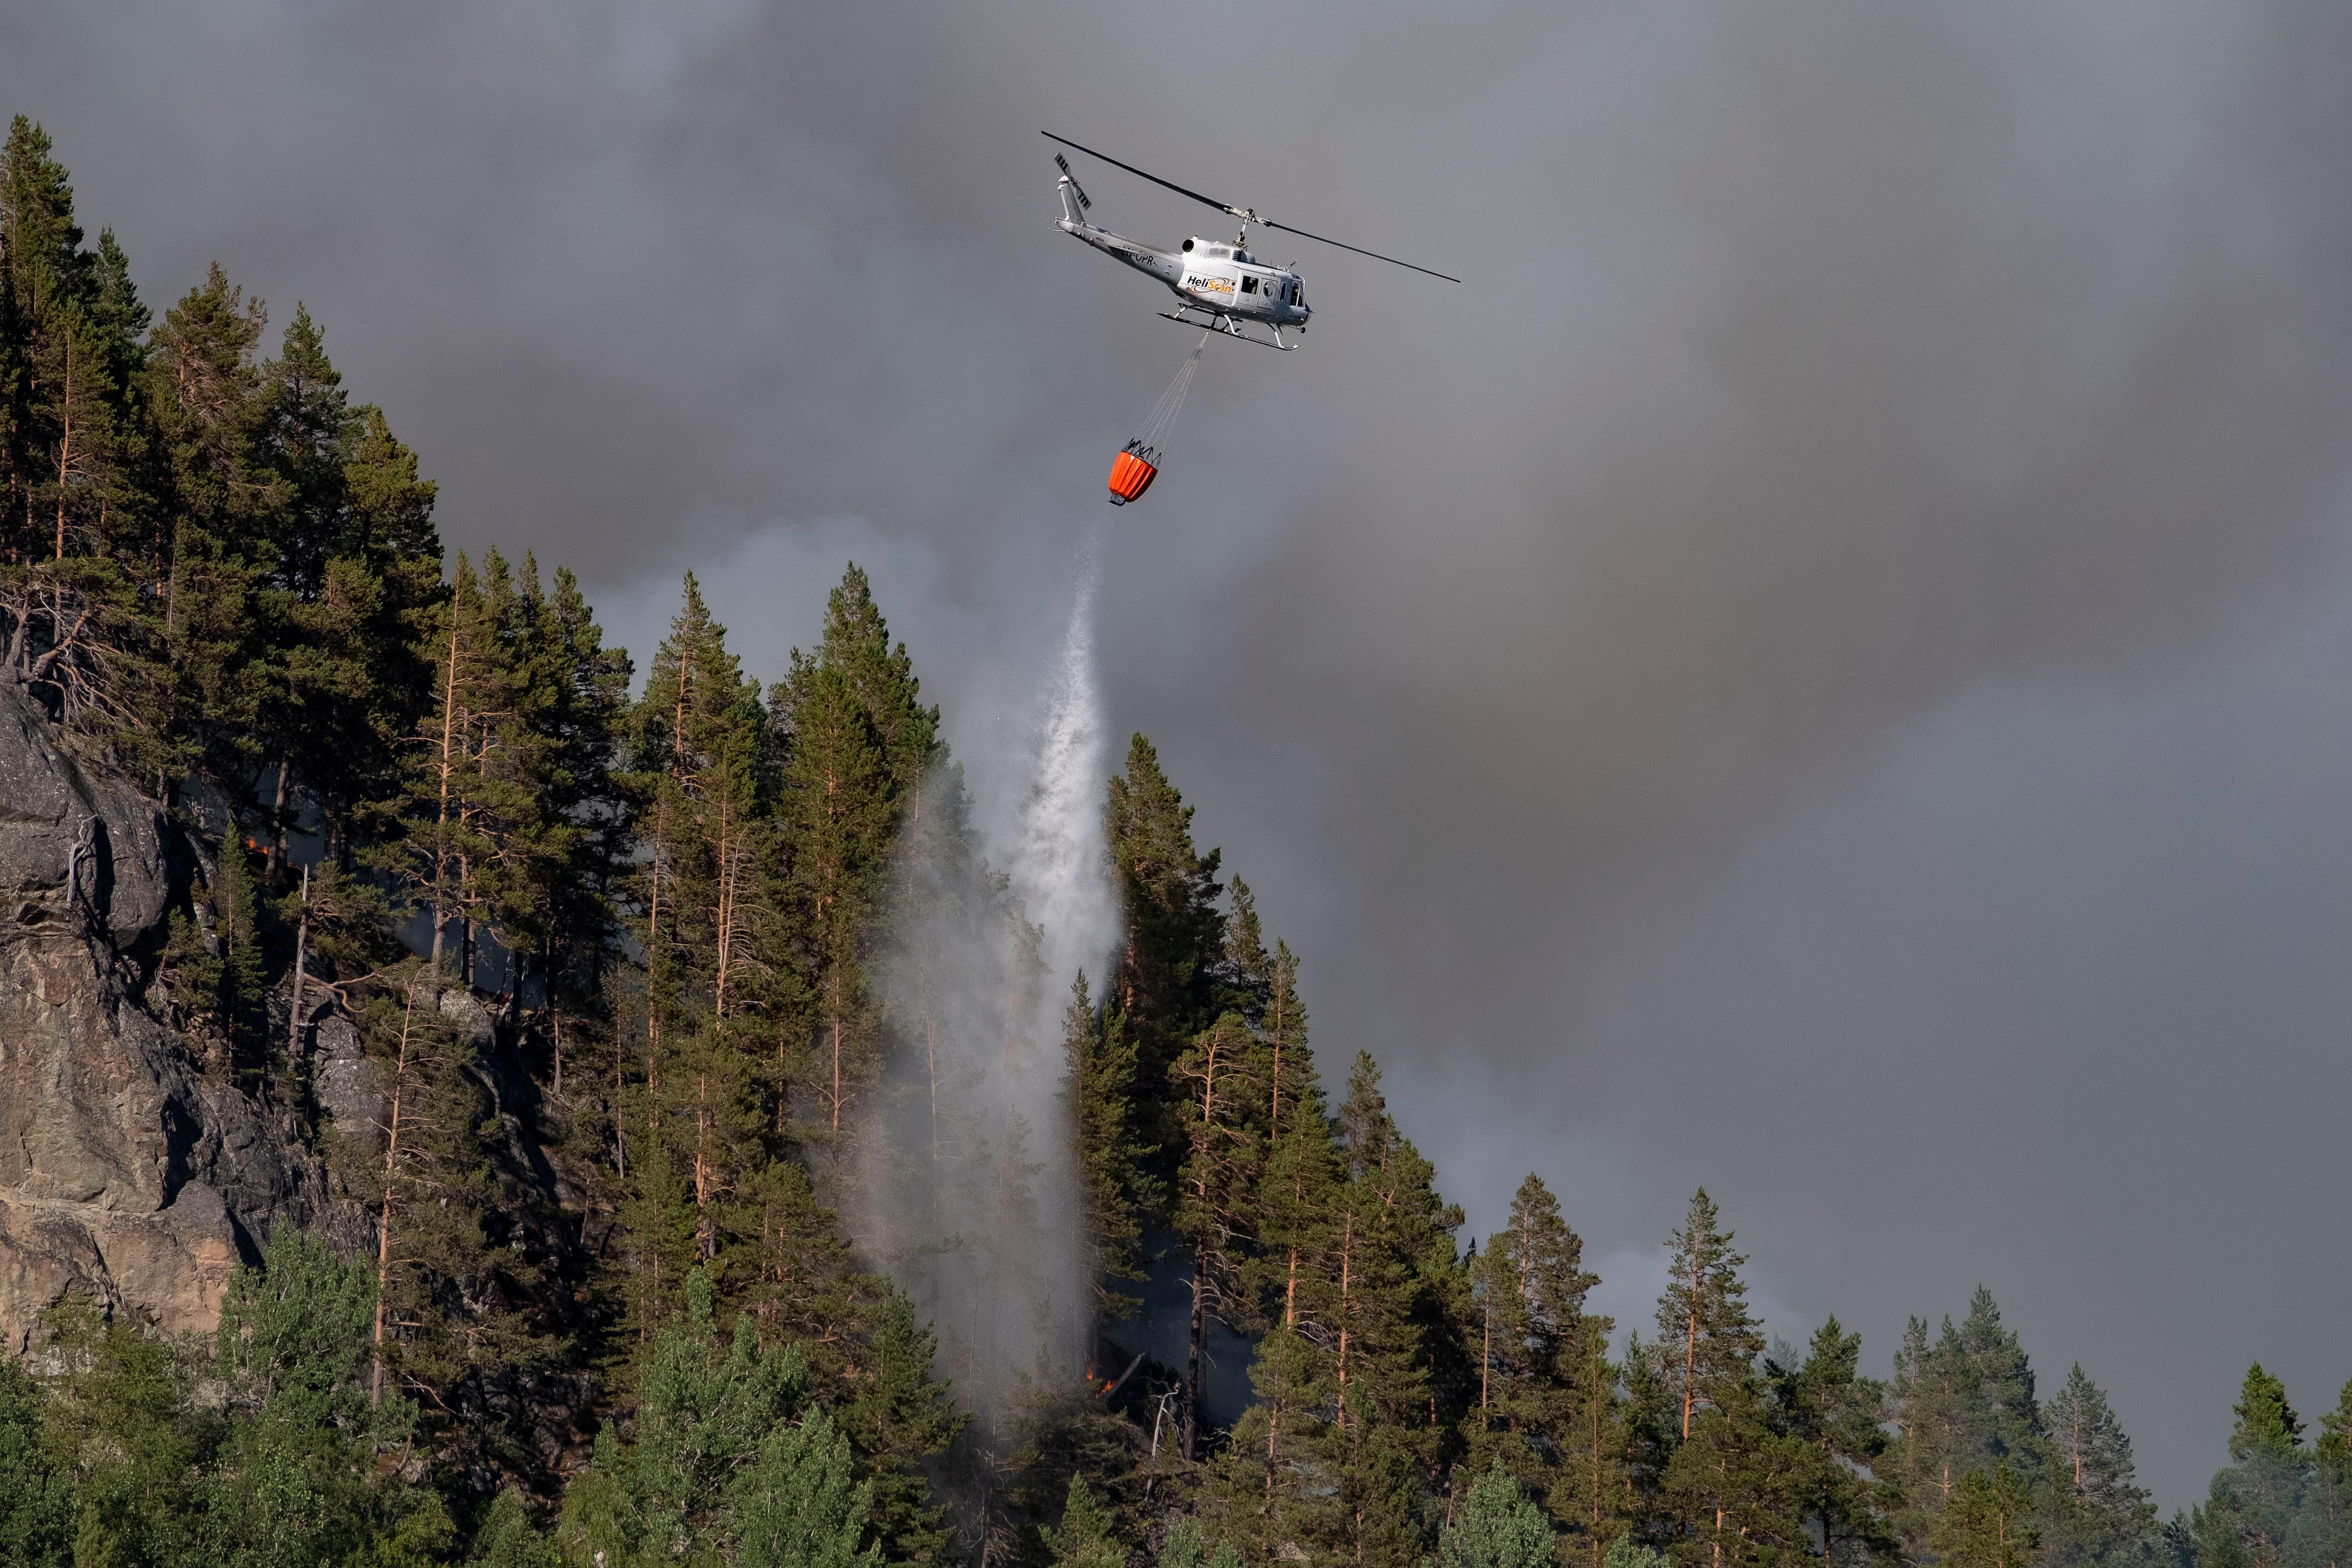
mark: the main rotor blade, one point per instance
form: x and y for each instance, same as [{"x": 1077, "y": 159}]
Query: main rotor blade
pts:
[
  {"x": 1358, "y": 249},
  {"x": 1244, "y": 213},
  {"x": 1206, "y": 201}
]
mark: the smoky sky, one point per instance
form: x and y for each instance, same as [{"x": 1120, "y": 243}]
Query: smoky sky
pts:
[{"x": 1818, "y": 670}]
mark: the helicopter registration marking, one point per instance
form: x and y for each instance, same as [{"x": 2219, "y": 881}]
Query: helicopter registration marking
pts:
[{"x": 1212, "y": 285}]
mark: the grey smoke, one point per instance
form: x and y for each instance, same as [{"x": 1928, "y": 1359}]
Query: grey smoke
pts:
[{"x": 1814, "y": 671}]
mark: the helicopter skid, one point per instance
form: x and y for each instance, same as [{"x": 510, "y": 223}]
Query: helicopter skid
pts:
[{"x": 1224, "y": 327}]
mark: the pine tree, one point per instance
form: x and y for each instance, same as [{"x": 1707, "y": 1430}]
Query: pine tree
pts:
[
  {"x": 1731, "y": 1491},
  {"x": 1536, "y": 1386},
  {"x": 860, "y": 749},
  {"x": 446, "y": 827},
  {"x": 1962, "y": 1402},
  {"x": 445, "y": 1287},
  {"x": 1100, "y": 1089},
  {"x": 1990, "y": 1521},
  {"x": 1266, "y": 1488},
  {"x": 1499, "y": 1528},
  {"x": 857, "y": 642},
  {"x": 1220, "y": 1077},
  {"x": 206, "y": 396},
  {"x": 1704, "y": 1326},
  {"x": 836, "y": 821},
  {"x": 1386, "y": 1232},
  {"x": 2095, "y": 1510},
  {"x": 239, "y": 1004},
  {"x": 574, "y": 698},
  {"x": 1834, "y": 1412},
  {"x": 1165, "y": 986},
  {"x": 707, "y": 930},
  {"x": 1301, "y": 1168}
]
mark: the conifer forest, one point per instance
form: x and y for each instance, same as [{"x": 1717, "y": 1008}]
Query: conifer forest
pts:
[{"x": 659, "y": 1224}]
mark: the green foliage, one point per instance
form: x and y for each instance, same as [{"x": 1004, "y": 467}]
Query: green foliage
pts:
[
  {"x": 1833, "y": 1416},
  {"x": 1101, "y": 1091},
  {"x": 1165, "y": 986},
  {"x": 509, "y": 1537},
  {"x": 1499, "y": 1528},
  {"x": 1624, "y": 1551},
  {"x": 1085, "y": 1539},
  {"x": 294, "y": 1332},
  {"x": 2266, "y": 1425},
  {"x": 1989, "y": 1523},
  {"x": 799, "y": 1505},
  {"x": 2094, "y": 1511},
  {"x": 730, "y": 1461},
  {"x": 1962, "y": 1402},
  {"x": 36, "y": 1505}
]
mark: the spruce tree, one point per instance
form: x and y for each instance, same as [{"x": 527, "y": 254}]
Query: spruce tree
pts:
[
  {"x": 2251, "y": 1508},
  {"x": 1085, "y": 1539},
  {"x": 2321, "y": 1536},
  {"x": 2266, "y": 1425}
]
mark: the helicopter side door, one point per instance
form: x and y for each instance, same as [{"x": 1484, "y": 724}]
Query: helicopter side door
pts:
[{"x": 1214, "y": 281}]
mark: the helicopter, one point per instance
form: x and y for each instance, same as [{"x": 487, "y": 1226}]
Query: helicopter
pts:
[{"x": 1219, "y": 287}]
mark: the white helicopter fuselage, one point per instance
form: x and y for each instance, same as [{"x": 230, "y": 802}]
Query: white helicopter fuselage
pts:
[{"x": 1223, "y": 281}]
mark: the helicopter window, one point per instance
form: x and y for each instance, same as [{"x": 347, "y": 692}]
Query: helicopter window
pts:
[{"x": 1249, "y": 285}]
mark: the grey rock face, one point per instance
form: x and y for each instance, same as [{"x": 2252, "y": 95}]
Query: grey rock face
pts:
[
  {"x": 341, "y": 1079},
  {"x": 124, "y": 1174}
]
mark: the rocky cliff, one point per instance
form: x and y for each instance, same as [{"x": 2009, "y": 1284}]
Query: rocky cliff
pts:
[{"x": 126, "y": 1174}]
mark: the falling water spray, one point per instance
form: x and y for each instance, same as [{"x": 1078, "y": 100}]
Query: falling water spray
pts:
[{"x": 965, "y": 1176}]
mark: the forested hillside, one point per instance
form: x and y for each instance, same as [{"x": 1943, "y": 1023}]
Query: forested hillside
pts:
[{"x": 576, "y": 987}]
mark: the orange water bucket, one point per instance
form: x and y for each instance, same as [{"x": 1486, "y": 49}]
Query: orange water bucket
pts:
[{"x": 1131, "y": 475}]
